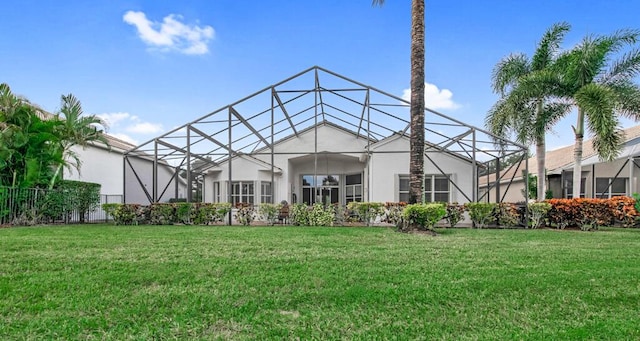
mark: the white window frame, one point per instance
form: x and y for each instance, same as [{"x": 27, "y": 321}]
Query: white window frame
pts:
[
  {"x": 354, "y": 189},
  {"x": 265, "y": 196},
  {"x": 217, "y": 197},
  {"x": 242, "y": 197},
  {"x": 427, "y": 195}
]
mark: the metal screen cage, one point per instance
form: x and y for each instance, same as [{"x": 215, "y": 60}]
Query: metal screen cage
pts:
[{"x": 173, "y": 165}]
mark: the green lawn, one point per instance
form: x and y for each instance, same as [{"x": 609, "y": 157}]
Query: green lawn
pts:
[{"x": 182, "y": 282}]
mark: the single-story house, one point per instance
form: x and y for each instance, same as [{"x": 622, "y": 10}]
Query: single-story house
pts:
[
  {"x": 599, "y": 179},
  {"x": 314, "y": 137}
]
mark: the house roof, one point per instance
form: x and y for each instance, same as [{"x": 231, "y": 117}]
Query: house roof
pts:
[{"x": 563, "y": 158}]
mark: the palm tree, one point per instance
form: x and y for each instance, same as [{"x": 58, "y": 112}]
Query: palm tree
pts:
[
  {"x": 528, "y": 107},
  {"x": 75, "y": 130},
  {"x": 602, "y": 91},
  {"x": 416, "y": 164},
  {"x": 27, "y": 143}
]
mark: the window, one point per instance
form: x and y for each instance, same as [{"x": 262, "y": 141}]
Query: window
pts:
[
  {"x": 403, "y": 188},
  {"x": 320, "y": 188},
  {"x": 265, "y": 192},
  {"x": 609, "y": 187},
  {"x": 242, "y": 192},
  {"x": 353, "y": 187},
  {"x": 568, "y": 185},
  {"x": 436, "y": 188},
  {"x": 216, "y": 191}
]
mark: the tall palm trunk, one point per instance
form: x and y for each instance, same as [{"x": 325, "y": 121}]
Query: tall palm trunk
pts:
[
  {"x": 577, "y": 154},
  {"x": 540, "y": 158},
  {"x": 416, "y": 164}
]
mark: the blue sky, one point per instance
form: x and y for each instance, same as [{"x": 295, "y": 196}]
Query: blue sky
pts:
[{"x": 150, "y": 66}]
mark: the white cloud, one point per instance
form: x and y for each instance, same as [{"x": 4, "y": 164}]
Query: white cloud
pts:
[
  {"x": 171, "y": 34},
  {"x": 434, "y": 98},
  {"x": 112, "y": 119},
  {"x": 121, "y": 123},
  {"x": 145, "y": 128}
]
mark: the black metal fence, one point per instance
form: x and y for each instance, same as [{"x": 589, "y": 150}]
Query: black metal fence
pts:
[{"x": 28, "y": 206}]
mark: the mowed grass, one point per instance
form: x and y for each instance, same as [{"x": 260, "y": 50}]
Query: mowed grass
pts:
[{"x": 183, "y": 282}]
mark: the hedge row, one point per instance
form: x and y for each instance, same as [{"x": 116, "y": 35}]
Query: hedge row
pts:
[
  {"x": 166, "y": 214},
  {"x": 556, "y": 213},
  {"x": 591, "y": 213}
]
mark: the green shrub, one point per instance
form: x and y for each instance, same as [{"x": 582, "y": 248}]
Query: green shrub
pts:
[
  {"x": 481, "y": 213},
  {"x": 316, "y": 215},
  {"x": 506, "y": 214},
  {"x": 320, "y": 215},
  {"x": 124, "y": 214},
  {"x": 424, "y": 216},
  {"x": 341, "y": 215},
  {"x": 245, "y": 214},
  {"x": 269, "y": 212},
  {"x": 455, "y": 214},
  {"x": 366, "y": 212},
  {"x": 162, "y": 214},
  {"x": 299, "y": 215},
  {"x": 393, "y": 213},
  {"x": 209, "y": 213},
  {"x": 183, "y": 212},
  {"x": 110, "y": 208},
  {"x": 537, "y": 213}
]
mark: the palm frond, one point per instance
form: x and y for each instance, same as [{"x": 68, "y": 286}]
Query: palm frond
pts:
[
  {"x": 506, "y": 73},
  {"x": 551, "y": 114},
  {"x": 627, "y": 98},
  {"x": 627, "y": 67},
  {"x": 540, "y": 84},
  {"x": 549, "y": 45},
  {"x": 598, "y": 104}
]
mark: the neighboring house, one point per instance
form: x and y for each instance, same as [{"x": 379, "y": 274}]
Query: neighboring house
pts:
[
  {"x": 101, "y": 164},
  {"x": 314, "y": 137},
  {"x": 599, "y": 179}
]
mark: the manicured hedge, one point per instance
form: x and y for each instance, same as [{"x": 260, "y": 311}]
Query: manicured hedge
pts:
[
  {"x": 168, "y": 213},
  {"x": 586, "y": 214},
  {"x": 591, "y": 213}
]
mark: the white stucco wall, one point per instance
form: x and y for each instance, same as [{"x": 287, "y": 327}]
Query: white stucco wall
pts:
[
  {"x": 101, "y": 166},
  {"x": 385, "y": 167},
  {"x": 134, "y": 193}
]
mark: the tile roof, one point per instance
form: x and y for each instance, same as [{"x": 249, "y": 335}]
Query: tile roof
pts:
[{"x": 558, "y": 159}]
